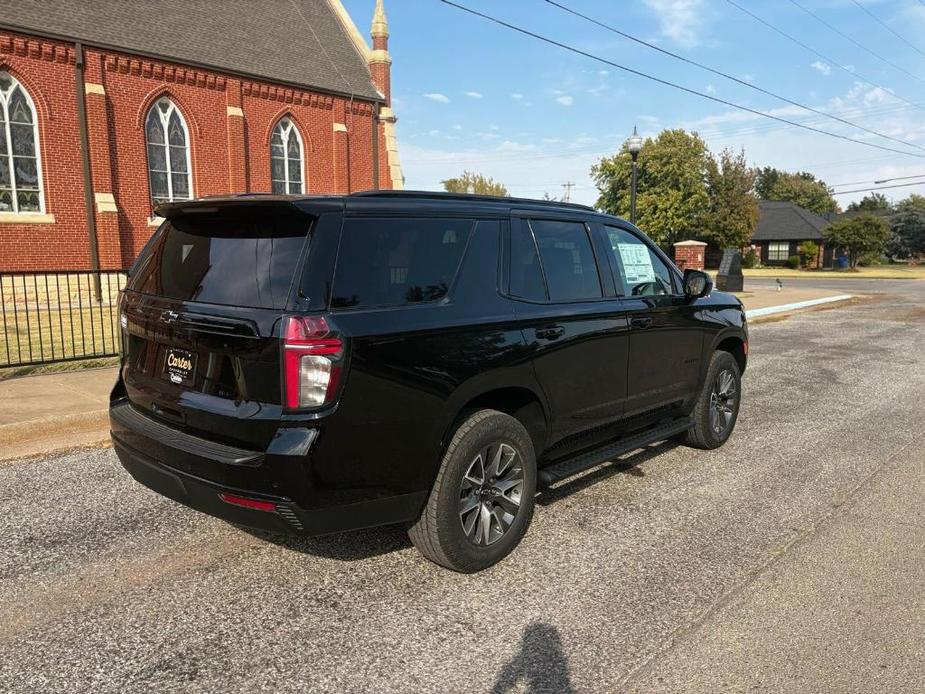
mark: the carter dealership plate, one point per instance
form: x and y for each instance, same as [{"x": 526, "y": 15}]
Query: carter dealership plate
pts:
[{"x": 180, "y": 366}]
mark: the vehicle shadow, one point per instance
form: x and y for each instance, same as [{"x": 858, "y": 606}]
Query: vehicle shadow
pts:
[
  {"x": 540, "y": 664},
  {"x": 628, "y": 464},
  {"x": 349, "y": 546}
]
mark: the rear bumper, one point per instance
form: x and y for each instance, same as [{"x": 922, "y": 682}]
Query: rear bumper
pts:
[{"x": 154, "y": 461}]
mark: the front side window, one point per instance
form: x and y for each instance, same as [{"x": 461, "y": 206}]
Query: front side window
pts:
[
  {"x": 286, "y": 161},
  {"x": 393, "y": 262},
  {"x": 168, "y": 153},
  {"x": 778, "y": 250},
  {"x": 20, "y": 171},
  {"x": 567, "y": 259},
  {"x": 642, "y": 272}
]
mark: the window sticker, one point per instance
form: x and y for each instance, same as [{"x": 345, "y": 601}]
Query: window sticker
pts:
[{"x": 637, "y": 263}]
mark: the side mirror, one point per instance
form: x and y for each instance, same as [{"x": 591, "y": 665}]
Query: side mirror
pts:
[{"x": 697, "y": 284}]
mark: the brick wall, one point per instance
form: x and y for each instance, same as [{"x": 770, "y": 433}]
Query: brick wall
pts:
[
  {"x": 229, "y": 121},
  {"x": 689, "y": 255}
]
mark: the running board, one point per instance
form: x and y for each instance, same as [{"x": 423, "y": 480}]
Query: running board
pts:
[{"x": 585, "y": 461}]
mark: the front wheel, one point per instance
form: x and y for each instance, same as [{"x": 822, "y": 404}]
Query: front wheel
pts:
[
  {"x": 482, "y": 501},
  {"x": 717, "y": 407}
]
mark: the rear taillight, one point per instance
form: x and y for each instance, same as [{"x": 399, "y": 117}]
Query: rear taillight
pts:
[{"x": 312, "y": 361}]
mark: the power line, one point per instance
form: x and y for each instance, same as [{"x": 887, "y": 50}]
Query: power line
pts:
[
  {"x": 824, "y": 57},
  {"x": 889, "y": 28},
  {"x": 674, "y": 85},
  {"x": 856, "y": 42},
  {"x": 882, "y": 180},
  {"x": 872, "y": 190},
  {"x": 727, "y": 76}
]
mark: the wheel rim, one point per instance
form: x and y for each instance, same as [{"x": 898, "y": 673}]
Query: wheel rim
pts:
[
  {"x": 490, "y": 494},
  {"x": 722, "y": 401}
]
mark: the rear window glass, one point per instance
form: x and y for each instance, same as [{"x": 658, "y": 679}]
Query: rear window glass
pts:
[
  {"x": 224, "y": 260},
  {"x": 568, "y": 260},
  {"x": 392, "y": 262}
]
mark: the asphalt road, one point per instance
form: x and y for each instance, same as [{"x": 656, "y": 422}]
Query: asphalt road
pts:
[{"x": 793, "y": 559}]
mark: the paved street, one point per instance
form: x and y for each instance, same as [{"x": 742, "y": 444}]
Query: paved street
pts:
[{"x": 792, "y": 559}]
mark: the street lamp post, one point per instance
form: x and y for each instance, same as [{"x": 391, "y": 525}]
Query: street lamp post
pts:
[{"x": 634, "y": 145}]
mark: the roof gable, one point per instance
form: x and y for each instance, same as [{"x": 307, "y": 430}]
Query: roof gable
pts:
[
  {"x": 784, "y": 221},
  {"x": 298, "y": 42}
]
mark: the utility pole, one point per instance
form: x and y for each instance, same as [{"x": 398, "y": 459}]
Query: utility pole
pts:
[{"x": 568, "y": 191}]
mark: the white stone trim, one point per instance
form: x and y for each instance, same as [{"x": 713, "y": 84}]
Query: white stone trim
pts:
[
  {"x": 26, "y": 218},
  {"x": 235, "y": 111},
  {"x": 690, "y": 243},
  {"x": 155, "y": 221},
  {"x": 105, "y": 202},
  {"x": 93, "y": 88},
  {"x": 340, "y": 128},
  {"x": 391, "y": 146},
  {"x": 380, "y": 56}
]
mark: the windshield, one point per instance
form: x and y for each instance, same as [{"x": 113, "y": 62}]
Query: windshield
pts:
[{"x": 220, "y": 259}]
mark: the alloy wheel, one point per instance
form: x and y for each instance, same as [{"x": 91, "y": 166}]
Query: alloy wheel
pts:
[
  {"x": 490, "y": 494},
  {"x": 722, "y": 401}
]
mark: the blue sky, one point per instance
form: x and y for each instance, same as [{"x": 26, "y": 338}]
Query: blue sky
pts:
[{"x": 473, "y": 95}]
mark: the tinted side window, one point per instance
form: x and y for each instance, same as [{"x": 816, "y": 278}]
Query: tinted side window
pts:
[
  {"x": 568, "y": 260},
  {"x": 642, "y": 272},
  {"x": 391, "y": 262},
  {"x": 526, "y": 274}
]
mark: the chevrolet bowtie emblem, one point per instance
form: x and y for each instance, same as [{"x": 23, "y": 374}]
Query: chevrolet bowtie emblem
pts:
[{"x": 169, "y": 317}]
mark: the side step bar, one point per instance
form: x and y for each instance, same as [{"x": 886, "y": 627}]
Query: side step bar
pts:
[{"x": 554, "y": 473}]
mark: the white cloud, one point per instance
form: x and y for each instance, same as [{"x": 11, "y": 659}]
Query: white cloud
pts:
[
  {"x": 824, "y": 68},
  {"x": 438, "y": 97},
  {"x": 434, "y": 133},
  {"x": 565, "y": 100},
  {"x": 474, "y": 95},
  {"x": 748, "y": 77},
  {"x": 457, "y": 127},
  {"x": 494, "y": 127},
  {"x": 517, "y": 96},
  {"x": 680, "y": 20},
  {"x": 710, "y": 89},
  {"x": 603, "y": 73}
]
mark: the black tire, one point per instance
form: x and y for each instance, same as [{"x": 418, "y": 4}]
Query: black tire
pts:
[
  {"x": 439, "y": 534},
  {"x": 705, "y": 413}
]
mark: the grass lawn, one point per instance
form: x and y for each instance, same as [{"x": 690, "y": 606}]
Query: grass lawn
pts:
[{"x": 876, "y": 272}]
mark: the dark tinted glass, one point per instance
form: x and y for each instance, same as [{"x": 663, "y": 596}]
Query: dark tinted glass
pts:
[
  {"x": 390, "y": 262},
  {"x": 526, "y": 275},
  {"x": 237, "y": 262},
  {"x": 568, "y": 261},
  {"x": 642, "y": 272}
]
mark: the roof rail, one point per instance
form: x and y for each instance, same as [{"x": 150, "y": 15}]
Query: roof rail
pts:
[{"x": 440, "y": 195}]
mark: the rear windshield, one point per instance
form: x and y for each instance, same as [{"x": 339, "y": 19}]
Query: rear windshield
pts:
[
  {"x": 245, "y": 260},
  {"x": 392, "y": 262}
]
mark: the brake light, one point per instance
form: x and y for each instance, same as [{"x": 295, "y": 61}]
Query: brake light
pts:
[
  {"x": 312, "y": 361},
  {"x": 245, "y": 502}
]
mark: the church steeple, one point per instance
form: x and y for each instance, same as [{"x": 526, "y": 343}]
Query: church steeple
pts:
[{"x": 380, "y": 62}]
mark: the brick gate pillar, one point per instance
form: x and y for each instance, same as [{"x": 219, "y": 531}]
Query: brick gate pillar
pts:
[{"x": 689, "y": 255}]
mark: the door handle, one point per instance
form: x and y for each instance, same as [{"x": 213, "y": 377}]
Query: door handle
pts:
[
  {"x": 551, "y": 333},
  {"x": 641, "y": 322}
]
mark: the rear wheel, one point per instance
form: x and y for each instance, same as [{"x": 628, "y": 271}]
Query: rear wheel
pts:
[
  {"x": 482, "y": 501},
  {"x": 717, "y": 407}
]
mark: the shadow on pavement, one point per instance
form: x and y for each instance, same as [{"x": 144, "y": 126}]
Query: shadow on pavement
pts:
[
  {"x": 627, "y": 464},
  {"x": 540, "y": 665},
  {"x": 350, "y": 546}
]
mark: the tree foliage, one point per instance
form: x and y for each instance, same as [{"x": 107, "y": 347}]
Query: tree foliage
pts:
[
  {"x": 475, "y": 183},
  {"x": 801, "y": 188},
  {"x": 908, "y": 224},
  {"x": 858, "y": 236},
  {"x": 732, "y": 211},
  {"x": 871, "y": 202},
  {"x": 671, "y": 188}
]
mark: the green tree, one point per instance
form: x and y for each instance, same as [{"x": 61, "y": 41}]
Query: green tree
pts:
[
  {"x": 858, "y": 236},
  {"x": 908, "y": 224},
  {"x": 801, "y": 188},
  {"x": 871, "y": 203},
  {"x": 671, "y": 191},
  {"x": 732, "y": 212},
  {"x": 475, "y": 183},
  {"x": 808, "y": 251}
]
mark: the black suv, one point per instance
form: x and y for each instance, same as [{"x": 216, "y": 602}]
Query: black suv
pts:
[{"x": 320, "y": 364}]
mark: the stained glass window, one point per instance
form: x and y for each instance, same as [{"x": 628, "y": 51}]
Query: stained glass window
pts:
[
  {"x": 286, "y": 158},
  {"x": 168, "y": 153},
  {"x": 20, "y": 169}
]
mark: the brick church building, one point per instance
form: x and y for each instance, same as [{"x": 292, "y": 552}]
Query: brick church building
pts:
[{"x": 108, "y": 107}]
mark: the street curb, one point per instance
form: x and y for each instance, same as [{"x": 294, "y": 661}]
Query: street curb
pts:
[
  {"x": 796, "y": 306},
  {"x": 54, "y": 434}
]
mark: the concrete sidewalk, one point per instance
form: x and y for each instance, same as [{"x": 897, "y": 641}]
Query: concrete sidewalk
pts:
[
  {"x": 762, "y": 297},
  {"x": 51, "y": 412}
]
